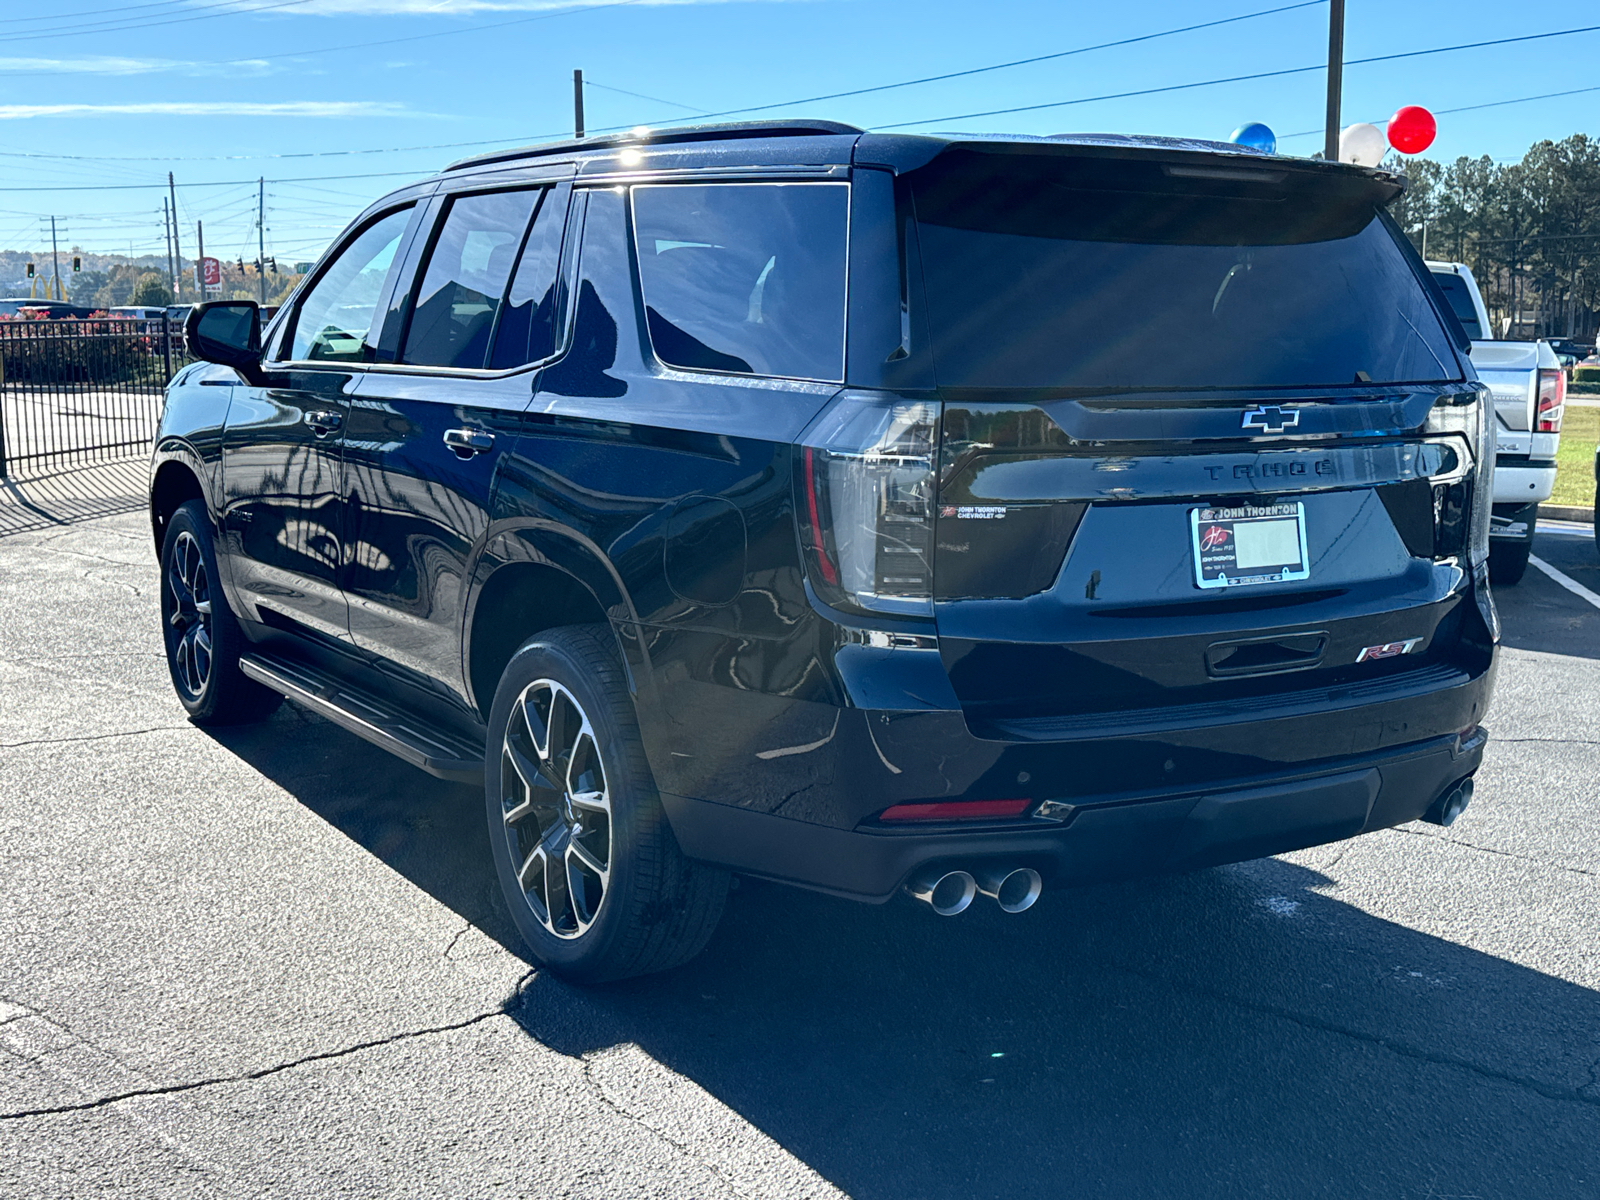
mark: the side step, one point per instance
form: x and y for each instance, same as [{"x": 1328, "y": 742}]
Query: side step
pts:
[{"x": 365, "y": 715}]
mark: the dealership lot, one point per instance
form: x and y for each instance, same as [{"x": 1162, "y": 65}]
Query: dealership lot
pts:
[{"x": 274, "y": 960}]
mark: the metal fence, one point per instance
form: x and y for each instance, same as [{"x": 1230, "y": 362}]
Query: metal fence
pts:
[{"x": 81, "y": 391}]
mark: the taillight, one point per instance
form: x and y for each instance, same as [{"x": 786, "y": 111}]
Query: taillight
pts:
[
  {"x": 866, "y": 504},
  {"x": 1552, "y": 399}
]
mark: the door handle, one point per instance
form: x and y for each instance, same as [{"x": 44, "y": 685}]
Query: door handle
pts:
[
  {"x": 324, "y": 421},
  {"x": 468, "y": 442}
]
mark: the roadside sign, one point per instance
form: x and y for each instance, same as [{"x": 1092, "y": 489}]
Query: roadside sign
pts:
[{"x": 211, "y": 272}]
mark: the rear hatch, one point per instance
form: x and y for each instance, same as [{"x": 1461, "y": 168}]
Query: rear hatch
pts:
[{"x": 1189, "y": 452}]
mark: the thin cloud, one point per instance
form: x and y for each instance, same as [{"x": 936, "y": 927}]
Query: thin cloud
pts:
[
  {"x": 339, "y": 109},
  {"x": 461, "y": 8},
  {"x": 105, "y": 64}
]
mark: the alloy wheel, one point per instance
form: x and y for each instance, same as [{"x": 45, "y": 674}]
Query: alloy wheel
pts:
[
  {"x": 556, "y": 807},
  {"x": 189, "y": 587}
]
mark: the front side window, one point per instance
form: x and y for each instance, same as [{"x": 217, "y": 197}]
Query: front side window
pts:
[
  {"x": 465, "y": 279},
  {"x": 527, "y": 329},
  {"x": 745, "y": 278},
  {"x": 335, "y": 318}
]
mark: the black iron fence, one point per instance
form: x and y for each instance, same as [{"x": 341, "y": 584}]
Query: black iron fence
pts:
[{"x": 81, "y": 391}]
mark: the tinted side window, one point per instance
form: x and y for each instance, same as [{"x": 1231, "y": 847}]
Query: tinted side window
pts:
[
  {"x": 747, "y": 278},
  {"x": 1455, "y": 291},
  {"x": 336, "y": 315},
  {"x": 465, "y": 279},
  {"x": 527, "y": 330}
]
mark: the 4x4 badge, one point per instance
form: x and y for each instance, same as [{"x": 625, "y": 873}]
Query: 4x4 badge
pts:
[{"x": 1269, "y": 418}]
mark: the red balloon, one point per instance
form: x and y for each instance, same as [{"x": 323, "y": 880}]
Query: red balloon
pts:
[{"x": 1412, "y": 129}]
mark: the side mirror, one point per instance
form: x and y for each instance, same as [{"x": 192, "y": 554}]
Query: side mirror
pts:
[{"x": 226, "y": 332}]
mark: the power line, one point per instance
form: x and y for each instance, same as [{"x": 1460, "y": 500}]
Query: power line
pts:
[
  {"x": 1020, "y": 62},
  {"x": 117, "y": 27},
  {"x": 426, "y": 37},
  {"x": 1442, "y": 112},
  {"x": 125, "y": 187},
  {"x": 605, "y": 87},
  {"x": 701, "y": 113},
  {"x": 1178, "y": 87},
  {"x": 93, "y": 12}
]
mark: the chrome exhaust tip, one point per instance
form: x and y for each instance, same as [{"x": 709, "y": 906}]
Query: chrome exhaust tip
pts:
[
  {"x": 1014, "y": 889},
  {"x": 1450, "y": 805},
  {"x": 948, "y": 893}
]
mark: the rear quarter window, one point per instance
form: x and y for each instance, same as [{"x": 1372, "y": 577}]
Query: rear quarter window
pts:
[{"x": 745, "y": 278}]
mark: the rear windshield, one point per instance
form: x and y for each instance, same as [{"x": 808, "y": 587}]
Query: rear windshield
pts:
[
  {"x": 1455, "y": 290},
  {"x": 1070, "y": 273}
]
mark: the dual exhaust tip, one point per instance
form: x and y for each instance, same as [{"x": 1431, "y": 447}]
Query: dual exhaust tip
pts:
[
  {"x": 951, "y": 892},
  {"x": 1450, "y": 805}
]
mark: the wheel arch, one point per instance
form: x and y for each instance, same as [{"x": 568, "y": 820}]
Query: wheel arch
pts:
[
  {"x": 528, "y": 580},
  {"x": 175, "y": 481}
]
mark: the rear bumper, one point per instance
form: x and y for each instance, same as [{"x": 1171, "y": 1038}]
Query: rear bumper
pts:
[
  {"x": 1523, "y": 484},
  {"x": 1099, "y": 838}
]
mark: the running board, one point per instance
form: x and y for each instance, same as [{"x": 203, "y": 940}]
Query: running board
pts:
[{"x": 365, "y": 715}]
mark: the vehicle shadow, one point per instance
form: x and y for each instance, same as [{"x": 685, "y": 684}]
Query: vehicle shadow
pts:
[{"x": 1238, "y": 1031}]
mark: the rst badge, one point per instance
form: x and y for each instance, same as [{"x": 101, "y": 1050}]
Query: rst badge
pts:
[{"x": 1388, "y": 650}]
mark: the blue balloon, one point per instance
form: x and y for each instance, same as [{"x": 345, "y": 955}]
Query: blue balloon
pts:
[{"x": 1257, "y": 136}]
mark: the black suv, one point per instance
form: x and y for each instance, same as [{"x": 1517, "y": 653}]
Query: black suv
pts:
[{"x": 865, "y": 512}]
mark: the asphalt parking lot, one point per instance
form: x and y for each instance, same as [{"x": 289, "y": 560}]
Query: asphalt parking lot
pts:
[{"x": 273, "y": 961}]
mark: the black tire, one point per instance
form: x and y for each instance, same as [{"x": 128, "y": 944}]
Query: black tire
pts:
[
  {"x": 202, "y": 636},
  {"x": 1508, "y": 561},
  {"x": 592, "y": 803}
]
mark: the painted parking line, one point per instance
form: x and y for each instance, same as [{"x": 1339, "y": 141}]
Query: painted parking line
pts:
[
  {"x": 1566, "y": 581},
  {"x": 1567, "y": 530}
]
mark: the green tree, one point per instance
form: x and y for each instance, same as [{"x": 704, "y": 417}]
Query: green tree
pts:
[
  {"x": 86, "y": 285},
  {"x": 151, "y": 289}
]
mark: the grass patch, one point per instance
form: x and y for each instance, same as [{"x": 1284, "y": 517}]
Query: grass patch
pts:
[{"x": 1580, "y": 430}]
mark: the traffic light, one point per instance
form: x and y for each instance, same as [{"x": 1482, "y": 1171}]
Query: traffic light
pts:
[
  {"x": 273, "y": 264},
  {"x": 77, "y": 263},
  {"x": 31, "y": 270}
]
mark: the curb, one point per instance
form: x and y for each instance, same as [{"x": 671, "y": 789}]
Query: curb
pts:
[{"x": 1567, "y": 512}]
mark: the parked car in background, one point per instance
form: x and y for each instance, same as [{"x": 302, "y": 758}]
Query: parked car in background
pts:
[
  {"x": 143, "y": 312},
  {"x": 1568, "y": 352},
  {"x": 47, "y": 309},
  {"x": 784, "y": 499},
  {"x": 1530, "y": 389}
]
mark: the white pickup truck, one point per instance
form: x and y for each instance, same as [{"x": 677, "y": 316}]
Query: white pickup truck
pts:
[{"x": 1529, "y": 389}]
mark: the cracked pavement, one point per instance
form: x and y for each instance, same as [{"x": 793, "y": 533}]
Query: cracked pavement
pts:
[{"x": 273, "y": 960}]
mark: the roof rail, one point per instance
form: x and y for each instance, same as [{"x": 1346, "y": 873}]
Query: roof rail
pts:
[{"x": 657, "y": 137}]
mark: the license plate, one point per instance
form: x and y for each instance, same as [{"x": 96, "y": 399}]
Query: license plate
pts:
[{"x": 1236, "y": 547}]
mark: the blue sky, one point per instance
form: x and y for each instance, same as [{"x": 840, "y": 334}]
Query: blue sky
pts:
[{"x": 216, "y": 92}]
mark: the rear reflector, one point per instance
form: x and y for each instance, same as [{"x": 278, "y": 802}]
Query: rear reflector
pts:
[{"x": 955, "y": 810}]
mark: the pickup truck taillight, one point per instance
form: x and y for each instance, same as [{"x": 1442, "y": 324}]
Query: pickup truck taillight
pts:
[
  {"x": 1552, "y": 399},
  {"x": 865, "y": 500}
]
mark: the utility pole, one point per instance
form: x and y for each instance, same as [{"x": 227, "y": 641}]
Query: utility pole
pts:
[
  {"x": 200, "y": 260},
  {"x": 1330, "y": 142},
  {"x": 55, "y": 258},
  {"x": 177, "y": 254},
  {"x": 261, "y": 237},
  {"x": 577, "y": 102},
  {"x": 166, "y": 233}
]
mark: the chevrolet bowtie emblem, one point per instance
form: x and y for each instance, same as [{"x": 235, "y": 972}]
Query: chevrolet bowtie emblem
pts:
[{"x": 1269, "y": 418}]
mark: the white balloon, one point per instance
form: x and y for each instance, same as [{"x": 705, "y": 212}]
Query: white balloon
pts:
[{"x": 1362, "y": 144}]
